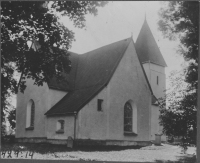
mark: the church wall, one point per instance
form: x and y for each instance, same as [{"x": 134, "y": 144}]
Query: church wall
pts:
[
  {"x": 52, "y": 127},
  {"x": 146, "y": 67},
  {"x": 155, "y": 127},
  {"x": 51, "y": 122},
  {"x": 91, "y": 123},
  {"x": 55, "y": 96},
  {"x": 152, "y": 72},
  {"x": 129, "y": 83},
  {"x": 39, "y": 96},
  {"x": 44, "y": 98}
]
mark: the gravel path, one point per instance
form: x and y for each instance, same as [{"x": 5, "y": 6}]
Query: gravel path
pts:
[{"x": 152, "y": 153}]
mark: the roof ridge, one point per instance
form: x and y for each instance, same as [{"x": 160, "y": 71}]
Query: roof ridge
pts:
[{"x": 106, "y": 45}]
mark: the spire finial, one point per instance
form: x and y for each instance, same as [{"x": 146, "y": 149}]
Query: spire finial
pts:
[{"x": 145, "y": 11}]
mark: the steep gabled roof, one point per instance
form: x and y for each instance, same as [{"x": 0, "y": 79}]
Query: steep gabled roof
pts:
[
  {"x": 69, "y": 83},
  {"x": 147, "y": 48},
  {"x": 94, "y": 71}
]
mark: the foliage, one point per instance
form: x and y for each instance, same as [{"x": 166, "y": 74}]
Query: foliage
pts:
[
  {"x": 11, "y": 118},
  {"x": 30, "y": 21},
  {"x": 178, "y": 109},
  {"x": 180, "y": 20}
]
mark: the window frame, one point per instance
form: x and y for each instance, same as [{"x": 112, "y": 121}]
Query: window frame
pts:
[
  {"x": 30, "y": 115},
  {"x": 99, "y": 105},
  {"x": 130, "y": 117},
  {"x": 61, "y": 129},
  {"x": 157, "y": 80}
]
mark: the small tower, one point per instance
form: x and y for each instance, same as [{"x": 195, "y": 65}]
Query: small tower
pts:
[
  {"x": 152, "y": 60},
  {"x": 154, "y": 65}
]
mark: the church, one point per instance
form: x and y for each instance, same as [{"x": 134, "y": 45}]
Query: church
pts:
[{"x": 110, "y": 98}]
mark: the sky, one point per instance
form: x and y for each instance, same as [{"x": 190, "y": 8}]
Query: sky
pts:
[{"x": 119, "y": 20}]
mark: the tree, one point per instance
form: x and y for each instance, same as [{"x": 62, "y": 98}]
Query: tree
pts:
[
  {"x": 178, "y": 109},
  {"x": 180, "y": 20},
  {"x": 24, "y": 21}
]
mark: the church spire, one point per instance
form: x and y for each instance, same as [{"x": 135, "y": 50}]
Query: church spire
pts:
[{"x": 147, "y": 48}]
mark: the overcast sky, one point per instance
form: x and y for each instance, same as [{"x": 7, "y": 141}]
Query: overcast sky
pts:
[{"x": 119, "y": 20}]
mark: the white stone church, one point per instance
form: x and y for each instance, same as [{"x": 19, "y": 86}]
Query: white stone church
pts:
[{"x": 109, "y": 97}]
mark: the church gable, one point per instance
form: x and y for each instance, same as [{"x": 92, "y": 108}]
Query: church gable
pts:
[
  {"x": 129, "y": 85},
  {"x": 130, "y": 70},
  {"x": 43, "y": 98},
  {"x": 94, "y": 71}
]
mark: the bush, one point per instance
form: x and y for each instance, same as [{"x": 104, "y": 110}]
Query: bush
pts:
[{"x": 8, "y": 139}]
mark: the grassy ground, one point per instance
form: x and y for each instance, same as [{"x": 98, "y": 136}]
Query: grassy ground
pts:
[{"x": 165, "y": 153}]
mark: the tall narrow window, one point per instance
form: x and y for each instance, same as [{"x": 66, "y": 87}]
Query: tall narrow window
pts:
[
  {"x": 60, "y": 126},
  {"x": 128, "y": 117},
  {"x": 157, "y": 80},
  {"x": 99, "y": 105},
  {"x": 30, "y": 115}
]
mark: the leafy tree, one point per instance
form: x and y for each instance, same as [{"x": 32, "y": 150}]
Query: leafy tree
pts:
[
  {"x": 11, "y": 118},
  {"x": 24, "y": 21},
  {"x": 178, "y": 109},
  {"x": 180, "y": 20}
]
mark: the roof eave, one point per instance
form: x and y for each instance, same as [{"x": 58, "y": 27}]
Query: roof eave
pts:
[
  {"x": 59, "y": 89},
  {"x": 155, "y": 63},
  {"x": 144, "y": 73},
  {"x": 115, "y": 67},
  {"x": 60, "y": 114}
]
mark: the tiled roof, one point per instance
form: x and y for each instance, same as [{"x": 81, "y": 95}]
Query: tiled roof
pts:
[
  {"x": 147, "y": 48},
  {"x": 94, "y": 71}
]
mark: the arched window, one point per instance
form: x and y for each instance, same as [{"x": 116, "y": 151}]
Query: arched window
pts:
[
  {"x": 128, "y": 117},
  {"x": 30, "y": 114}
]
